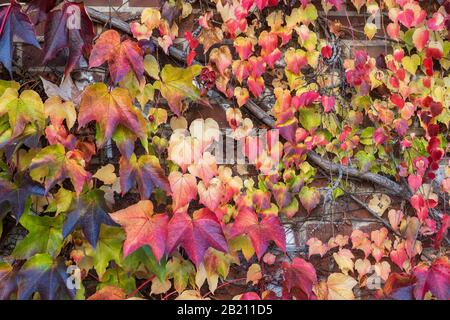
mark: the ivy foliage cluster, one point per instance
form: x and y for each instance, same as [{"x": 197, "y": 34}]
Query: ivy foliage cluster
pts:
[{"x": 194, "y": 226}]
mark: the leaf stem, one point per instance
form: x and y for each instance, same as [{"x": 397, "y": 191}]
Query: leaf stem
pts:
[{"x": 141, "y": 286}]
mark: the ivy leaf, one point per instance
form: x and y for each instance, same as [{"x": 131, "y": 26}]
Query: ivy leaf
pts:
[
  {"x": 109, "y": 248},
  {"x": 204, "y": 168},
  {"x": 184, "y": 189},
  {"x": 8, "y": 280},
  {"x": 106, "y": 174},
  {"x": 41, "y": 274},
  {"x": 68, "y": 26},
  {"x": 88, "y": 214},
  {"x": 61, "y": 202},
  {"x": 196, "y": 234},
  {"x": 17, "y": 193},
  {"x": 212, "y": 195},
  {"x": 340, "y": 287},
  {"x": 244, "y": 244},
  {"x": 26, "y": 108},
  {"x": 260, "y": 233},
  {"x": 42, "y": 7},
  {"x": 109, "y": 293},
  {"x": 117, "y": 277},
  {"x": 411, "y": 63},
  {"x": 309, "y": 197},
  {"x": 58, "y": 111},
  {"x": 143, "y": 227},
  {"x": 145, "y": 256},
  {"x": 125, "y": 141},
  {"x": 434, "y": 278},
  {"x": 309, "y": 118},
  {"x": 14, "y": 22},
  {"x": 176, "y": 84},
  {"x": 122, "y": 57},
  {"x": 151, "y": 66},
  {"x": 182, "y": 271},
  {"x": 45, "y": 236},
  {"x": 400, "y": 286},
  {"x": 55, "y": 165},
  {"x": 299, "y": 279},
  {"x": 146, "y": 172},
  {"x": 109, "y": 109}
]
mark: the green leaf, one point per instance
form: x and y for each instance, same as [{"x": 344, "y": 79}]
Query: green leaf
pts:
[
  {"x": 44, "y": 275},
  {"x": 144, "y": 257},
  {"x": 365, "y": 160},
  {"x": 24, "y": 109},
  {"x": 16, "y": 193},
  {"x": 109, "y": 248},
  {"x": 309, "y": 197},
  {"x": 4, "y": 84},
  {"x": 89, "y": 213},
  {"x": 176, "y": 84},
  {"x": 53, "y": 165},
  {"x": 411, "y": 63},
  {"x": 117, "y": 277},
  {"x": 45, "y": 236},
  {"x": 309, "y": 118},
  {"x": 151, "y": 66},
  {"x": 366, "y": 137},
  {"x": 61, "y": 201},
  {"x": 146, "y": 95},
  {"x": 182, "y": 271}
]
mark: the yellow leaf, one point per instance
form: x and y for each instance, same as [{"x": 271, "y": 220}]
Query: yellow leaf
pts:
[
  {"x": 411, "y": 63},
  {"x": 159, "y": 287},
  {"x": 340, "y": 287},
  {"x": 151, "y": 18},
  {"x": 151, "y": 66},
  {"x": 190, "y": 295},
  {"x": 254, "y": 274},
  {"x": 370, "y": 29},
  {"x": 379, "y": 203},
  {"x": 58, "y": 111},
  {"x": 344, "y": 260},
  {"x": 106, "y": 174}
]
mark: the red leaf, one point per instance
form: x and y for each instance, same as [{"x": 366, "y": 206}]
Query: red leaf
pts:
[
  {"x": 109, "y": 109},
  {"x": 109, "y": 293},
  {"x": 260, "y": 233},
  {"x": 142, "y": 227},
  {"x": 327, "y": 51},
  {"x": 434, "y": 278},
  {"x": 146, "y": 172},
  {"x": 68, "y": 27},
  {"x": 14, "y": 22},
  {"x": 122, "y": 57},
  {"x": 399, "y": 286},
  {"x": 299, "y": 278},
  {"x": 250, "y": 296},
  {"x": 42, "y": 7},
  {"x": 184, "y": 189},
  {"x": 414, "y": 181},
  {"x": 196, "y": 234},
  {"x": 443, "y": 230},
  {"x": 328, "y": 103}
]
